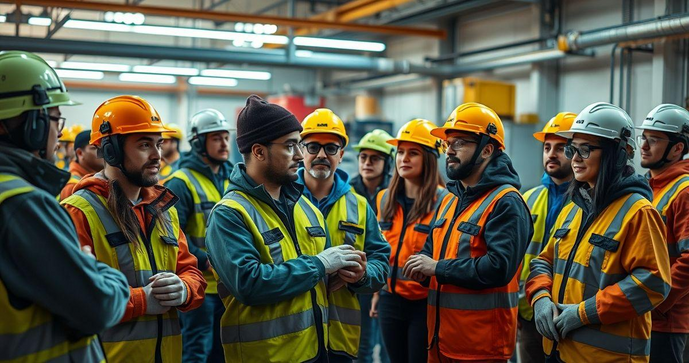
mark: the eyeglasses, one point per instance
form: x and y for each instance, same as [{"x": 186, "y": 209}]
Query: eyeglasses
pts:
[
  {"x": 458, "y": 144},
  {"x": 583, "y": 150},
  {"x": 60, "y": 122},
  {"x": 292, "y": 147},
  {"x": 314, "y": 148},
  {"x": 652, "y": 141},
  {"x": 373, "y": 158}
]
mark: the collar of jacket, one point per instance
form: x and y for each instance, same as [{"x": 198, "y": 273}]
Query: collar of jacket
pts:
[
  {"x": 241, "y": 181},
  {"x": 673, "y": 172},
  {"x": 39, "y": 172},
  {"x": 340, "y": 188},
  {"x": 156, "y": 195},
  {"x": 499, "y": 171},
  {"x": 194, "y": 162}
]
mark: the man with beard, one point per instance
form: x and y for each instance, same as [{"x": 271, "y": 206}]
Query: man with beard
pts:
[
  {"x": 54, "y": 299},
  {"x": 131, "y": 224},
  {"x": 663, "y": 145},
  {"x": 201, "y": 181},
  {"x": 545, "y": 202},
  {"x": 86, "y": 162},
  {"x": 269, "y": 247},
  {"x": 350, "y": 221},
  {"x": 171, "y": 156},
  {"x": 474, "y": 251}
]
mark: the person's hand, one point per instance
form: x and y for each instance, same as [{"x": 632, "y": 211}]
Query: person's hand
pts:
[
  {"x": 169, "y": 289},
  {"x": 88, "y": 251},
  {"x": 335, "y": 283},
  {"x": 418, "y": 266},
  {"x": 544, "y": 313},
  {"x": 338, "y": 257},
  {"x": 568, "y": 320},
  {"x": 352, "y": 275},
  {"x": 374, "y": 305},
  {"x": 153, "y": 306}
]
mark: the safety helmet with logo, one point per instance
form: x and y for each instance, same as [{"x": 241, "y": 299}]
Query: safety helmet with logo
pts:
[
  {"x": 203, "y": 123},
  {"x": 607, "y": 121},
  {"x": 324, "y": 121},
  {"x": 120, "y": 116},
  {"x": 376, "y": 140},
  {"x": 419, "y": 131},
  {"x": 30, "y": 86},
  {"x": 561, "y": 122},
  {"x": 475, "y": 118},
  {"x": 672, "y": 120},
  {"x": 177, "y": 134}
]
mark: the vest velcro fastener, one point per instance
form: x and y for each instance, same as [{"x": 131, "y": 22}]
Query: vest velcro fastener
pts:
[
  {"x": 273, "y": 236},
  {"x": 350, "y": 227},
  {"x": 561, "y": 233},
  {"x": 170, "y": 240},
  {"x": 603, "y": 242},
  {"x": 385, "y": 226},
  {"x": 116, "y": 239},
  {"x": 315, "y": 231},
  {"x": 469, "y": 228},
  {"x": 439, "y": 223},
  {"x": 423, "y": 228}
]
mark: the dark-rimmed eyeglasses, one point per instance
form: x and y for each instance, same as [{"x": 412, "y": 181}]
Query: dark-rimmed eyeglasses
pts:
[
  {"x": 314, "y": 148},
  {"x": 583, "y": 150},
  {"x": 60, "y": 122},
  {"x": 292, "y": 147}
]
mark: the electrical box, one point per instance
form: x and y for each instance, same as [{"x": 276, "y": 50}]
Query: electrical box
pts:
[{"x": 500, "y": 96}]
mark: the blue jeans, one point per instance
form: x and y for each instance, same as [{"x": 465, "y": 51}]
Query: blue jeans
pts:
[
  {"x": 201, "y": 332},
  {"x": 370, "y": 333}
]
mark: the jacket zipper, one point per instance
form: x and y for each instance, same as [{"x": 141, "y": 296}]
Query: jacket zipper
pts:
[
  {"x": 570, "y": 259},
  {"x": 393, "y": 279},
  {"x": 154, "y": 268}
]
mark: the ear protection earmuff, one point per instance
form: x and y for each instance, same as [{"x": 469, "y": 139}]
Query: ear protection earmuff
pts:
[
  {"x": 110, "y": 146},
  {"x": 36, "y": 128},
  {"x": 198, "y": 144},
  {"x": 622, "y": 155}
]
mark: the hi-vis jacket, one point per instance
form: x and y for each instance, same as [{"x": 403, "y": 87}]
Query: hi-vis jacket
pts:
[
  {"x": 406, "y": 238},
  {"x": 198, "y": 189},
  {"x": 53, "y": 297},
  {"x": 350, "y": 220},
  {"x": 76, "y": 173},
  {"x": 671, "y": 199},
  {"x": 161, "y": 247},
  {"x": 614, "y": 265},
  {"x": 269, "y": 278},
  {"x": 479, "y": 238}
]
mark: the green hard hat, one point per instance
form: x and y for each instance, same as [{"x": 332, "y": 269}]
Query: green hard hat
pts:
[
  {"x": 27, "y": 83},
  {"x": 376, "y": 140}
]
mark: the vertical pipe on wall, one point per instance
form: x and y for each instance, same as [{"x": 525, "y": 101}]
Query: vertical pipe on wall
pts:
[{"x": 612, "y": 73}]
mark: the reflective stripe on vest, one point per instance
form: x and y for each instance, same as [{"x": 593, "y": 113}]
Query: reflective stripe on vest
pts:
[
  {"x": 285, "y": 331},
  {"x": 31, "y": 334},
  {"x": 537, "y": 201},
  {"x": 662, "y": 201}
]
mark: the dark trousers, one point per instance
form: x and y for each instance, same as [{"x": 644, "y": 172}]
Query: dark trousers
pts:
[
  {"x": 667, "y": 347},
  {"x": 201, "y": 332},
  {"x": 530, "y": 342},
  {"x": 403, "y": 323},
  {"x": 370, "y": 333}
]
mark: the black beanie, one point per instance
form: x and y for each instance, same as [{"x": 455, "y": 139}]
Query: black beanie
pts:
[
  {"x": 82, "y": 139},
  {"x": 260, "y": 122}
]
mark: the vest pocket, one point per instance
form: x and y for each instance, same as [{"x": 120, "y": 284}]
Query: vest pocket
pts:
[
  {"x": 422, "y": 228},
  {"x": 170, "y": 241},
  {"x": 273, "y": 236},
  {"x": 602, "y": 248},
  {"x": 350, "y": 227},
  {"x": 469, "y": 228},
  {"x": 116, "y": 239},
  {"x": 385, "y": 226},
  {"x": 315, "y": 231}
]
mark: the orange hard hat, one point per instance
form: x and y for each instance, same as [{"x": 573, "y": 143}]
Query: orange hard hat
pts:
[
  {"x": 561, "y": 122},
  {"x": 474, "y": 118},
  {"x": 124, "y": 115}
]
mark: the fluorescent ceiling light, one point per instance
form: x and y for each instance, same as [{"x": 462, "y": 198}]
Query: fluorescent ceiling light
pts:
[
  {"x": 67, "y": 73},
  {"x": 40, "y": 21},
  {"x": 209, "y": 81},
  {"x": 339, "y": 44},
  {"x": 107, "y": 67},
  {"x": 177, "y": 71},
  {"x": 147, "y": 78},
  {"x": 175, "y": 31},
  {"x": 3, "y": 18},
  {"x": 228, "y": 73}
]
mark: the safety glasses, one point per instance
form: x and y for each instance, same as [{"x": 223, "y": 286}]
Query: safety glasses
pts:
[
  {"x": 314, "y": 148},
  {"x": 583, "y": 150}
]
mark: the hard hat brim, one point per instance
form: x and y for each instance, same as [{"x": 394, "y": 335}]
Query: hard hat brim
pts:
[
  {"x": 312, "y": 132},
  {"x": 654, "y": 128},
  {"x": 374, "y": 148},
  {"x": 162, "y": 130}
]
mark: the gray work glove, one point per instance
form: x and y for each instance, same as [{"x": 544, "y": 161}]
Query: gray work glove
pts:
[
  {"x": 568, "y": 320},
  {"x": 335, "y": 258},
  {"x": 544, "y": 312}
]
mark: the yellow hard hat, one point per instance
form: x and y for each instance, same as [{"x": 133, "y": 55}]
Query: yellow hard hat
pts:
[
  {"x": 324, "y": 121},
  {"x": 474, "y": 118},
  {"x": 68, "y": 135},
  {"x": 76, "y": 129},
  {"x": 419, "y": 131},
  {"x": 173, "y": 135},
  {"x": 561, "y": 122}
]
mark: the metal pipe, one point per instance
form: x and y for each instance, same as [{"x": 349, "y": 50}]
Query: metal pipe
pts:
[
  {"x": 484, "y": 50},
  {"x": 612, "y": 73},
  {"x": 218, "y": 16},
  {"x": 678, "y": 24},
  {"x": 623, "y": 55},
  {"x": 628, "y": 94}
]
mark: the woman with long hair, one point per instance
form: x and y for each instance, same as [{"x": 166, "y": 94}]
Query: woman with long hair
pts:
[
  {"x": 405, "y": 213},
  {"x": 606, "y": 265}
]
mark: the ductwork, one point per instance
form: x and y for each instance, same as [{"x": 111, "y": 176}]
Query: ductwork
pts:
[{"x": 675, "y": 25}]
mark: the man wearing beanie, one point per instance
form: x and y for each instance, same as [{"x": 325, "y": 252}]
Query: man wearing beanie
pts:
[
  {"x": 350, "y": 221},
  {"x": 86, "y": 162},
  {"x": 269, "y": 247}
]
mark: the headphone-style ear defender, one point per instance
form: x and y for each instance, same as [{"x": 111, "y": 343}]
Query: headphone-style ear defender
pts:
[
  {"x": 198, "y": 144},
  {"x": 110, "y": 146},
  {"x": 622, "y": 155},
  {"x": 37, "y": 122}
]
